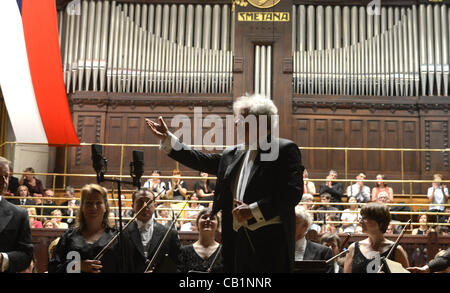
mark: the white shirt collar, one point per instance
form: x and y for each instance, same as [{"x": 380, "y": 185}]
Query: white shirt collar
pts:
[
  {"x": 147, "y": 225},
  {"x": 0, "y": 198},
  {"x": 300, "y": 244}
]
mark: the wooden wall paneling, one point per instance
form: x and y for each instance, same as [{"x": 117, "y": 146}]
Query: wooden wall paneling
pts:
[
  {"x": 374, "y": 158},
  {"x": 338, "y": 139},
  {"x": 303, "y": 139},
  {"x": 391, "y": 134},
  {"x": 320, "y": 139},
  {"x": 356, "y": 139}
]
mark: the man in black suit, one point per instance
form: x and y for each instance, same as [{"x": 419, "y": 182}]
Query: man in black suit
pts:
[
  {"x": 13, "y": 184},
  {"x": 334, "y": 243},
  {"x": 23, "y": 192},
  {"x": 146, "y": 235},
  {"x": 306, "y": 249},
  {"x": 258, "y": 185},
  {"x": 16, "y": 250}
]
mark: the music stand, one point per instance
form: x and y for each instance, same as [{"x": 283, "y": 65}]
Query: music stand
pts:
[{"x": 311, "y": 266}]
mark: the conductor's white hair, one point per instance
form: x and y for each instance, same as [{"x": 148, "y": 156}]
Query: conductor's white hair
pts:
[
  {"x": 257, "y": 105},
  {"x": 303, "y": 215}
]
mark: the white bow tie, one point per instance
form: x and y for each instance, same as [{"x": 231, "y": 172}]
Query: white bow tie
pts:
[{"x": 143, "y": 227}]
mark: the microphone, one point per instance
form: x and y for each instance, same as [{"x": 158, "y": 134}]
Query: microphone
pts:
[
  {"x": 137, "y": 168},
  {"x": 98, "y": 162}
]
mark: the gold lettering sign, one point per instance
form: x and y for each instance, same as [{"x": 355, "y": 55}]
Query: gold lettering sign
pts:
[
  {"x": 263, "y": 3},
  {"x": 263, "y": 16}
]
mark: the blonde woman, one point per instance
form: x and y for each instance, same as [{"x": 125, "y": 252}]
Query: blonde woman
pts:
[
  {"x": 56, "y": 217},
  {"x": 32, "y": 218},
  {"x": 90, "y": 234}
]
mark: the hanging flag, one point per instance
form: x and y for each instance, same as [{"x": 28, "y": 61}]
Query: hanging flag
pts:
[{"x": 31, "y": 73}]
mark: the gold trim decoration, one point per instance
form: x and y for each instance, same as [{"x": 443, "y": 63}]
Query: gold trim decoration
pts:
[
  {"x": 241, "y": 3},
  {"x": 264, "y": 4}
]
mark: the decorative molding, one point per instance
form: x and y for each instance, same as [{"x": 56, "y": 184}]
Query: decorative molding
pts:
[
  {"x": 80, "y": 135},
  {"x": 427, "y": 145},
  {"x": 133, "y": 101},
  {"x": 446, "y": 155},
  {"x": 334, "y": 105}
]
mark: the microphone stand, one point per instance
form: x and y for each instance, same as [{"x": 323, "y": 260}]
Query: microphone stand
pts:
[{"x": 118, "y": 235}]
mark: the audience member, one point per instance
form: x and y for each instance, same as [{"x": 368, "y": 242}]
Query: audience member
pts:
[
  {"x": 194, "y": 207},
  {"x": 307, "y": 201},
  {"x": 375, "y": 219},
  {"x": 155, "y": 184},
  {"x": 423, "y": 228},
  {"x": 164, "y": 211},
  {"x": 200, "y": 255},
  {"x": 308, "y": 185},
  {"x": 358, "y": 229},
  {"x": 325, "y": 198},
  {"x": 48, "y": 202},
  {"x": 34, "y": 185},
  {"x": 13, "y": 184},
  {"x": 23, "y": 192},
  {"x": 69, "y": 193},
  {"x": 34, "y": 223},
  {"x": 334, "y": 243},
  {"x": 335, "y": 189},
  {"x": 146, "y": 234},
  {"x": 306, "y": 249},
  {"x": 188, "y": 225},
  {"x": 16, "y": 248},
  {"x": 126, "y": 213},
  {"x": 329, "y": 227},
  {"x": 56, "y": 217},
  {"x": 204, "y": 188},
  {"x": 89, "y": 237},
  {"x": 445, "y": 218},
  {"x": 393, "y": 227},
  {"x": 350, "y": 215},
  {"x": 51, "y": 224},
  {"x": 360, "y": 191},
  {"x": 177, "y": 189},
  {"x": 382, "y": 193},
  {"x": 437, "y": 194}
]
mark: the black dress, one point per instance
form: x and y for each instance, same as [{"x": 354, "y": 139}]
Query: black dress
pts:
[
  {"x": 191, "y": 261},
  {"x": 360, "y": 262},
  {"x": 73, "y": 240}
]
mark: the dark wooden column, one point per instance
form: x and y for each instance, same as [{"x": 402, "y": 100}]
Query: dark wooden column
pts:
[{"x": 278, "y": 34}]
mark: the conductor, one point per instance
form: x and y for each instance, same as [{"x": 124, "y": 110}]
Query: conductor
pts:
[{"x": 256, "y": 190}]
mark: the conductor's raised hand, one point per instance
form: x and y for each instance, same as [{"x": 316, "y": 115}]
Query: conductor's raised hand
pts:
[{"x": 158, "y": 128}]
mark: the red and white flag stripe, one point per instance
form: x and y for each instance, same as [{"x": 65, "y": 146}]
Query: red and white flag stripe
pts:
[{"x": 31, "y": 73}]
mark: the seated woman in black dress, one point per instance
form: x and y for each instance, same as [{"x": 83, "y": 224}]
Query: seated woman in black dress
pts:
[
  {"x": 375, "y": 218},
  {"x": 204, "y": 189},
  {"x": 200, "y": 255},
  {"x": 91, "y": 233}
]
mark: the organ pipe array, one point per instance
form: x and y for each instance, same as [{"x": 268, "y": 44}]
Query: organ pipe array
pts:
[
  {"x": 346, "y": 50},
  {"x": 147, "y": 48},
  {"x": 263, "y": 70}
]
